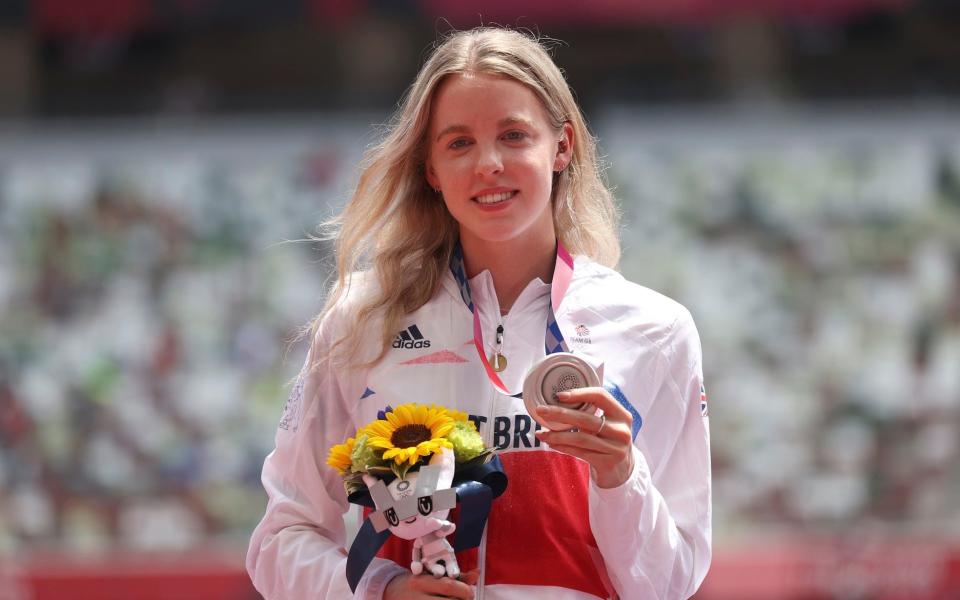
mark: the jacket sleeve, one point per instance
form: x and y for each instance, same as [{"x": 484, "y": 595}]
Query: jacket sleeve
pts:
[
  {"x": 654, "y": 530},
  {"x": 297, "y": 550}
]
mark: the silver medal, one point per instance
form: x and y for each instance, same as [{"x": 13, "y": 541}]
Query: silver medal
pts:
[{"x": 556, "y": 373}]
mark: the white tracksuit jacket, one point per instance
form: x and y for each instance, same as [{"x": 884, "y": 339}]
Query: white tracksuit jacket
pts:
[{"x": 553, "y": 534}]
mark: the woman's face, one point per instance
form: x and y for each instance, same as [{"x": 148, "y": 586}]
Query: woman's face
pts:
[{"x": 492, "y": 154}]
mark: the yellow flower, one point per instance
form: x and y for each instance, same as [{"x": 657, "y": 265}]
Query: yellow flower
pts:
[
  {"x": 339, "y": 457},
  {"x": 459, "y": 415},
  {"x": 410, "y": 432}
]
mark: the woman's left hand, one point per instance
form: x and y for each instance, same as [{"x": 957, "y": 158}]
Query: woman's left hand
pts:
[{"x": 605, "y": 442}]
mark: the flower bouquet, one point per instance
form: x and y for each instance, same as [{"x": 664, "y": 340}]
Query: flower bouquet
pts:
[{"x": 412, "y": 465}]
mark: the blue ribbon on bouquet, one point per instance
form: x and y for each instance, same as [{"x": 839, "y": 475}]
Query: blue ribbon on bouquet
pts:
[{"x": 476, "y": 488}]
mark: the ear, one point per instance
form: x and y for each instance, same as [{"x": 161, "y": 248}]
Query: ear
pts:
[
  {"x": 431, "y": 175},
  {"x": 564, "y": 148}
]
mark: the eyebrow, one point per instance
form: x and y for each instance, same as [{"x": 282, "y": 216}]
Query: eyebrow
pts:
[{"x": 505, "y": 122}]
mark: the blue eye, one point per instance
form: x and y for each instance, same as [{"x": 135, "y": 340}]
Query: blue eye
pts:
[
  {"x": 514, "y": 135},
  {"x": 458, "y": 144}
]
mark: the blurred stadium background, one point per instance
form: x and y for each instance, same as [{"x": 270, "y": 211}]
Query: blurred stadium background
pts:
[{"x": 788, "y": 169}]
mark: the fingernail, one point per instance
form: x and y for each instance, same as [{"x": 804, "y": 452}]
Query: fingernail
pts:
[{"x": 563, "y": 395}]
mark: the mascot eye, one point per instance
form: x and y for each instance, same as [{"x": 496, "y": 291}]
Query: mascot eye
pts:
[
  {"x": 391, "y": 516},
  {"x": 425, "y": 505}
]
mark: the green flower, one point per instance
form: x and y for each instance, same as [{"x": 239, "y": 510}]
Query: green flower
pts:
[
  {"x": 467, "y": 443},
  {"x": 364, "y": 455}
]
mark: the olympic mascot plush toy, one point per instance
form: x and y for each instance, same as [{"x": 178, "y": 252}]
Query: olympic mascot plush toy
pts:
[
  {"x": 416, "y": 508},
  {"x": 412, "y": 466}
]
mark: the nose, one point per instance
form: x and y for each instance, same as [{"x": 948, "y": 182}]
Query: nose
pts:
[{"x": 489, "y": 160}]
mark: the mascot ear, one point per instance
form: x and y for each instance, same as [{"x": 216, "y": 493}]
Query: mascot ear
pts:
[
  {"x": 379, "y": 492},
  {"x": 447, "y": 463}
]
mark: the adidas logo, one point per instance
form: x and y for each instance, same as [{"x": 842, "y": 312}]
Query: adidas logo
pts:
[{"x": 411, "y": 338}]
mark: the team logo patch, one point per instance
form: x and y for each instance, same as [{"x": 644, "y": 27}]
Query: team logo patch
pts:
[
  {"x": 704, "y": 410},
  {"x": 583, "y": 335},
  {"x": 410, "y": 338},
  {"x": 437, "y": 358}
]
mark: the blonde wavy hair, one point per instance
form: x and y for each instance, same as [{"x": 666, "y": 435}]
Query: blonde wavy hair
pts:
[{"x": 398, "y": 231}]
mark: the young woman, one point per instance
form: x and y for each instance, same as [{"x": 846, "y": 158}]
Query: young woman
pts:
[{"x": 470, "y": 209}]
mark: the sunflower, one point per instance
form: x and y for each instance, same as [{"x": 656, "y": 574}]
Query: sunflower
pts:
[
  {"x": 340, "y": 456},
  {"x": 410, "y": 432}
]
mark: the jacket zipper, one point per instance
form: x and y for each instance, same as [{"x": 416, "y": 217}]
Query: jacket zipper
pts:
[
  {"x": 482, "y": 552},
  {"x": 491, "y": 415}
]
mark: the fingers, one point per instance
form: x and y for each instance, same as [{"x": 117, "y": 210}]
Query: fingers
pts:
[
  {"x": 445, "y": 587},
  {"x": 610, "y": 463},
  {"x": 424, "y": 587},
  {"x": 586, "y": 424},
  {"x": 591, "y": 456},
  {"x": 582, "y": 439},
  {"x": 598, "y": 397},
  {"x": 470, "y": 577},
  {"x": 560, "y": 419},
  {"x": 608, "y": 450}
]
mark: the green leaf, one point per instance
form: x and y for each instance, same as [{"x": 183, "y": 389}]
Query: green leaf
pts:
[
  {"x": 379, "y": 471},
  {"x": 480, "y": 459}
]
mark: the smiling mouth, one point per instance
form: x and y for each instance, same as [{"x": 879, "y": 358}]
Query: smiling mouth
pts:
[
  {"x": 410, "y": 521},
  {"x": 495, "y": 198}
]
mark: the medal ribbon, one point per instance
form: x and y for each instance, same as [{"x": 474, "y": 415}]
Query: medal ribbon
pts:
[{"x": 553, "y": 338}]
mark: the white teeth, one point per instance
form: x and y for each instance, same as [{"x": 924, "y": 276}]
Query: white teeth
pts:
[{"x": 494, "y": 198}]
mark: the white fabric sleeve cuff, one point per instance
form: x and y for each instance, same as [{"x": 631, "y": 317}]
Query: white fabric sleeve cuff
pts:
[
  {"x": 636, "y": 483},
  {"x": 375, "y": 580}
]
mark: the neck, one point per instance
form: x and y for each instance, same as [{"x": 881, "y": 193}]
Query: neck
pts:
[{"x": 512, "y": 264}]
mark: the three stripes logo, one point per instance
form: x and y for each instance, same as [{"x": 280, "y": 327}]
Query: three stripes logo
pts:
[{"x": 411, "y": 338}]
